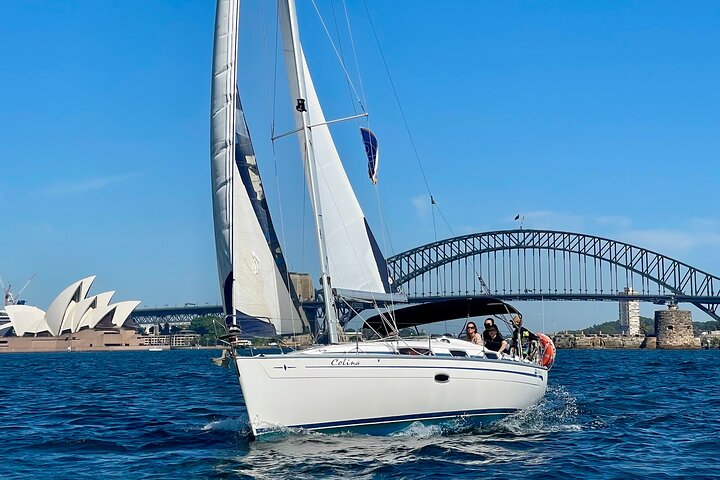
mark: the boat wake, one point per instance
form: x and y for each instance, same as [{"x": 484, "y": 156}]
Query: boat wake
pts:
[
  {"x": 230, "y": 424},
  {"x": 450, "y": 427},
  {"x": 557, "y": 412}
]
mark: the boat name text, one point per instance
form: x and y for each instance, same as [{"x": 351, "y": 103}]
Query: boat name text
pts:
[{"x": 344, "y": 362}]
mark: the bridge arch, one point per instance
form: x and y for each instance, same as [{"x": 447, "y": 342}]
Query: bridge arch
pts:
[{"x": 553, "y": 265}]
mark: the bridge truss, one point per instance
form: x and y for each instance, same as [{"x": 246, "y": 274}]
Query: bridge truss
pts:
[
  {"x": 174, "y": 315},
  {"x": 525, "y": 265},
  {"x": 550, "y": 265}
]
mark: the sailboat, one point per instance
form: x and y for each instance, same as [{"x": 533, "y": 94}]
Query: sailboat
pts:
[{"x": 379, "y": 386}]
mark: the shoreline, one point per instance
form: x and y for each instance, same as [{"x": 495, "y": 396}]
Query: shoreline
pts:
[{"x": 621, "y": 342}]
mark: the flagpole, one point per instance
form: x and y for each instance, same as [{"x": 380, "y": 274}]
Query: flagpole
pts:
[{"x": 521, "y": 218}]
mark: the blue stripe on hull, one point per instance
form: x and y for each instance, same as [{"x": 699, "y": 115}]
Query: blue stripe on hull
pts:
[
  {"x": 436, "y": 367},
  {"x": 388, "y": 425}
]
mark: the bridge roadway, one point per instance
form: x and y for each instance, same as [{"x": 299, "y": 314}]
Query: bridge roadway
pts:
[
  {"x": 185, "y": 315},
  {"x": 527, "y": 265},
  {"x": 174, "y": 315}
]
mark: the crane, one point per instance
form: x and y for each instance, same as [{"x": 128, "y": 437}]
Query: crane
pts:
[{"x": 14, "y": 299}]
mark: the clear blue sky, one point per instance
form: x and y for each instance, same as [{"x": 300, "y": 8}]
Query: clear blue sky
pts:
[{"x": 594, "y": 117}]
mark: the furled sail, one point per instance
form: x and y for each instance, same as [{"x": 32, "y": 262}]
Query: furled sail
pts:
[
  {"x": 256, "y": 291},
  {"x": 372, "y": 152},
  {"x": 355, "y": 261}
]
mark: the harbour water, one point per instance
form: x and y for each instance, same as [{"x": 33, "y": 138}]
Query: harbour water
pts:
[{"x": 172, "y": 414}]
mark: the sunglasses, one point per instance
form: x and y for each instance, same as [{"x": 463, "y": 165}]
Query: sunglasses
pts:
[{"x": 471, "y": 328}]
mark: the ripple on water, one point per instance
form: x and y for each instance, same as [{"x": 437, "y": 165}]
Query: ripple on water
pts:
[{"x": 607, "y": 414}]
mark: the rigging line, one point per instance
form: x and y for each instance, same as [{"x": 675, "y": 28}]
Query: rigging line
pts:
[
  {"x": 386, "y": 239},
  {"x": 303, "y": 232},
  {"x": 357, "y": 314},
  {"x": 444, "y": 219},
  {"x": 275, "y": 73},
  {"x": 316, "y": 335},
  {"x": 432, "y": 211},
  {"x": 342, "y": 54},
  {"x": 365, "y": 324},
  {"x": 357, "y": 64},
  {"x": 337, "y": 54},
  {"x": 405, "y": 122},
  {"x": 272, "y": 111},
  {"x": 388, "y": 320},
  {"x": 270, "y": 98},
  {"x": 386, "y": 231},
  {"x": 397, "y": 99},
  {"x": 344, "y": 227}
]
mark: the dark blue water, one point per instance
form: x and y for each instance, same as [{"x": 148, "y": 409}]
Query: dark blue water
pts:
[{"x": 607, "y": 414}]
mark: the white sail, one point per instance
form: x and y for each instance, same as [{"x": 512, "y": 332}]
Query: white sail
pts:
[
  {"x": 253, "y": 279},
  {"x": 354, "y": 259}
]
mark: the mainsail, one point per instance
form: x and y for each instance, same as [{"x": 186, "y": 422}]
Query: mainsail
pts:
[
  {"x": 256, "y": 291},
  {"x": 355, "y": 260}
]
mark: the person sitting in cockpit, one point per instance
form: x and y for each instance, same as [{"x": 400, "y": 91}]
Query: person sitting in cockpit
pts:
[
  {"x": 472, "y": 334},
  {"x": 494, "y": 340}
]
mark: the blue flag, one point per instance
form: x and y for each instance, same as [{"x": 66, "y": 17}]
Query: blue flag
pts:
[{"x": 371, "y": 150}]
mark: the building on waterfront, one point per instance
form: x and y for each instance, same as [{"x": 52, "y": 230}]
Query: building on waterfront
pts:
[
  {"x": 156, "y": 340},
  {"x": 5, "y": 324},
  {"x": 710, "y": 339},
  {"x": 674, "y": 329},
  {"x": 629, "y": 314},
  {"x": 82, "y": 341},
  {"x": 73, "y": 321},
  {"x": 184, "y": 338}
]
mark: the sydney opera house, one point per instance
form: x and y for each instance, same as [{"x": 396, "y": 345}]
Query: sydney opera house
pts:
[{"x": 74, "y": 321}]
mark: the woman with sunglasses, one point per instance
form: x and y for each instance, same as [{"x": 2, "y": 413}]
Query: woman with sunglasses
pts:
[{"x": 472, "y": 334}]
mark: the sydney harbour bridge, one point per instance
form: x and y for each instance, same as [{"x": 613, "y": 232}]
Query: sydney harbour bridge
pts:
[{"x": 528, "y": 265}]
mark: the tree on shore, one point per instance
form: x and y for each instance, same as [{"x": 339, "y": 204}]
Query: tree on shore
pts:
[{"x": 209, "y": 327}]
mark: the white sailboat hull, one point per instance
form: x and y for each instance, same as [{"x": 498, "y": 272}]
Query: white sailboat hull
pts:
[{"x": 382, "y": 393}]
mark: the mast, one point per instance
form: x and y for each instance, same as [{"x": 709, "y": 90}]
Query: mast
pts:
[{"x": 292, "y": 35}]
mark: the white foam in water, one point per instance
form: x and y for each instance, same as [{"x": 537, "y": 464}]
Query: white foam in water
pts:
[
  {"x": 418, "y": 430},
  {"x": 448, "y": 427},
  {"x": 273, "y": 430},
  {"x": 227, "y": 424},
  {"x": 557, "y": 412}
]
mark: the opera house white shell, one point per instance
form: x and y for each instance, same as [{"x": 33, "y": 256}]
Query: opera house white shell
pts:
[{"x": 72, "y": 311}]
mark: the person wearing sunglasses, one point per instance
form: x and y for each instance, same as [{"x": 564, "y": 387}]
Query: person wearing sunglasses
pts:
[{"x": 472, "y": 334}]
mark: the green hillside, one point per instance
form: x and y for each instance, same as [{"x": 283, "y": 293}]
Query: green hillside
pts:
[{"x": 647, "y": 326}]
